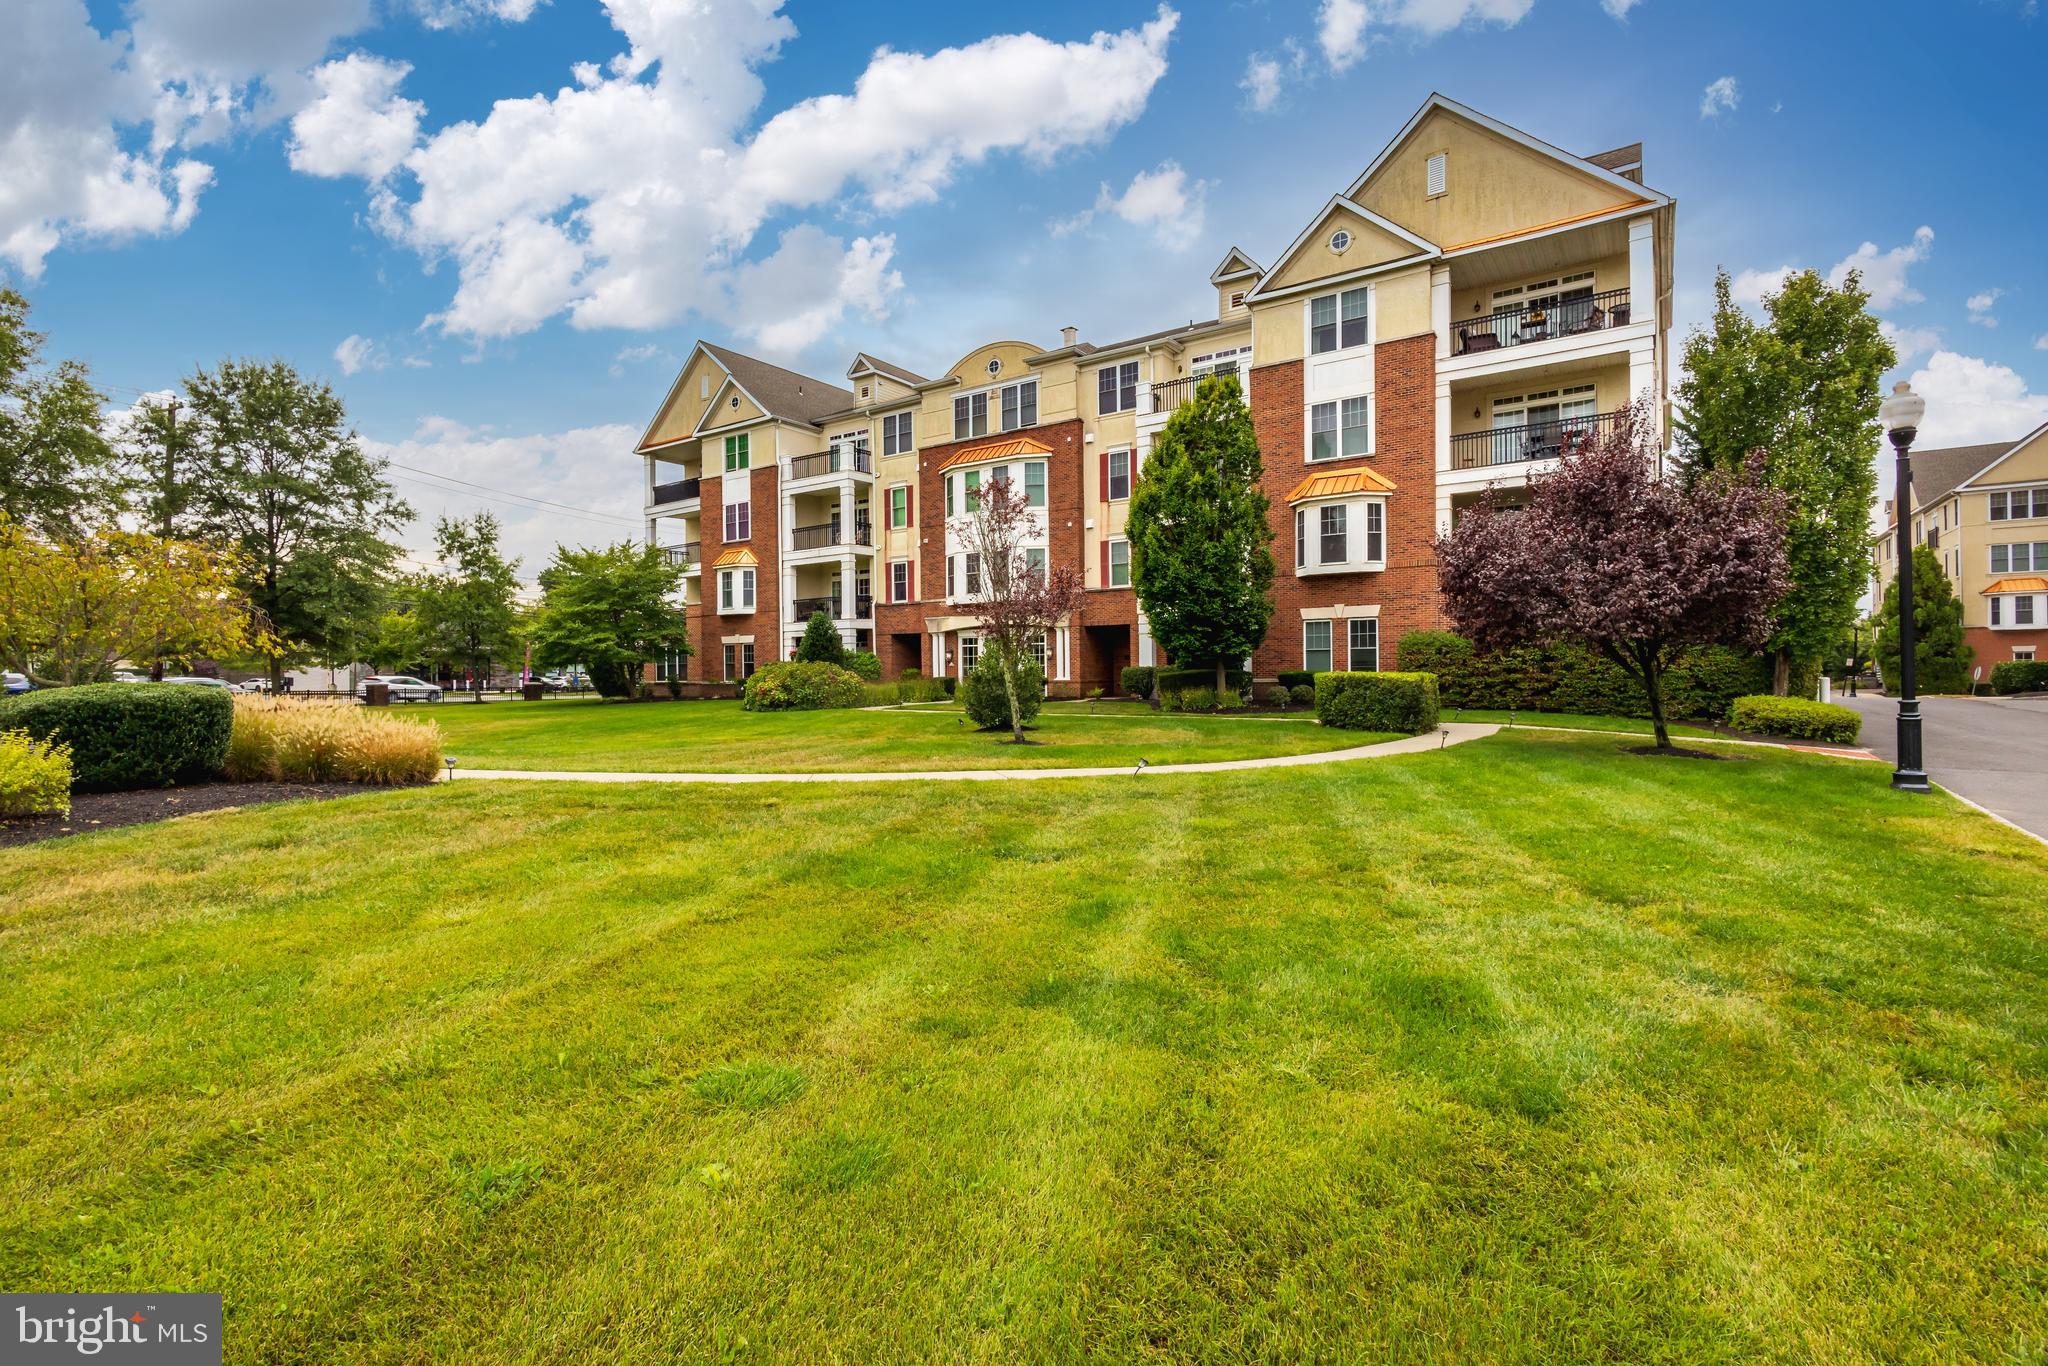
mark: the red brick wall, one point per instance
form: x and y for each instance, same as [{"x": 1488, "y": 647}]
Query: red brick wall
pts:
[
  {"x": 1405, "y": 591},
  {"x": 765, "y": 625},
  {"x": 1063, "y": 509},
  {"x": 1995, "y": 647}
]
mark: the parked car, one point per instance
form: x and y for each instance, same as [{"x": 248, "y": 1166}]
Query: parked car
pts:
[
  {"x": 11, "y": 682},
  {"x": 404, "y": 688},
  {"x": 551, "y": 680},
  {"x": 253, "y": 685},
  {"x": 193, "y": 680},
  {"x": 130, "y": 676}
]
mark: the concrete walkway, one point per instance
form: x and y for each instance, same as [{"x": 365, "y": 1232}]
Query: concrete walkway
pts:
[{"x": 1452, "y": 733}]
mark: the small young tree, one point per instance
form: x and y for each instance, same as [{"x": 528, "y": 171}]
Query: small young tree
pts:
[
  {"x": 821, "y": 643},
  {"x": 1941, "y": 659},
  {"x": 1022, "y": 596},
  {"x": 467, "y": 606},
  {"x": 1634, "y": 565},
  {"x": 609, "y": 610},
  {"x": 1201, "y": 547}
]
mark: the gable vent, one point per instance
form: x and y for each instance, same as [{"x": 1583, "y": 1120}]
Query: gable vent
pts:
[{"x": 1437, "y": 167}]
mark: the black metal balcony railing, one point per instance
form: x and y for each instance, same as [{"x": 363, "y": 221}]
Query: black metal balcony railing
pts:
[
  {"x": 828, "y": 534},
  {"x": 1530, "y": 441},
  {"x": 838, "y": 460},
  {"x": 1542, "y": 320},
  {"x": 678, "y": 490},
  {"x": 1172, "y": 393},
  {"x": 802, "y": 609},
  {"x": 689, "y": 552}
]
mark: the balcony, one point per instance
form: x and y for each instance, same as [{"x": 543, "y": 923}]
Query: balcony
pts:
[
  {"x": 1542, "y": 320},
  {"x": 1170, "y": 394},
  {"x": 838, "y": 460},
  {"x": 1531, "y": 441},
  {"x": 677, "y": 491},
  {"x": 825, "y": 535},
  {"x": 803, "y": 609},
  {"x": 689, "y": 552}
]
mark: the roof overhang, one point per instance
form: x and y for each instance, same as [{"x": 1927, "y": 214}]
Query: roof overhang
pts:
[
  {"x": 1424, "y": 248},
  {"x": 991, "y": 452},
  {"x": 1359, "y": 480},
  {"x": 735, "y": 555},
  {"x": 1512, "y": 134},
  {"x": 2027, "y": 583}
]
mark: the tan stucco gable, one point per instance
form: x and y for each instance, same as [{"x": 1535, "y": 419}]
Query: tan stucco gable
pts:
[
  {"x": 1494, "y": 186},
  {"x": 972, "y": 370},
  {"x": 729, "y": 404},
  {"x": 686, "y": 401},
  {"x": 1313, "y": 259},
  {"x": 2025, "y": 463}
]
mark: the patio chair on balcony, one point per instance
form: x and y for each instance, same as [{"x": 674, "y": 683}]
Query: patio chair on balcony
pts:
[
  {"x": 1470, "y": 341},
  {"x": 1591, "y": 321}
]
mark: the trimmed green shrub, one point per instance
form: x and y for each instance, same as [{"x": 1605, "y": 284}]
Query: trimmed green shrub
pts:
[
  {"x": 2019, "y": 675},
  {"x": 1401, "y": 702},
  {"x": 1190, "y": 699},
  {"x": 793, "y": 685},
  {"x": 130, "y": 735},
  {"x": 988, "y": 706},
  {"x": 1235, "y": 679},
  {"x": 1137, "y": 680},
  {"x": 1559, "y": 676},
  {"x": 35, "y": 775},
  {"x": 1796, "y": 718},
  {"x": 866, "y": 663},
  {"x": 821, "y": 643},
  {"x": 1302, "y": 695},
  {"x": 1291, "y": 679}
]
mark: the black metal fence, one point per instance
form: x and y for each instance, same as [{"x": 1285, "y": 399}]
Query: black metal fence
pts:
[
  {"x": 1541, "y": 320},
  {"x": 1531, "y": 440}
]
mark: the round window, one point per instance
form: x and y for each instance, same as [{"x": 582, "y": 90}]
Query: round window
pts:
[
  {"x": 1339, "y": 240},
  {"x": 995, "y": 367}
]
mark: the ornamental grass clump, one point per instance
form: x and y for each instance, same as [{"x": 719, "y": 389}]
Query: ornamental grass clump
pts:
[{"x": 280, "y": 741}]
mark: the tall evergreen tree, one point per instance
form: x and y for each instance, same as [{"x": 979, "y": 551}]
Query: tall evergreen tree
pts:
[
  {"x": 1941, "y": 658},
  {"x": 274, "y": 471},
  {"x": 1201, "y": 548},
  {"x": 1803, "y": 387},
  {"x": 821, "y": 643},
  {"x": 57, "y": 468}
]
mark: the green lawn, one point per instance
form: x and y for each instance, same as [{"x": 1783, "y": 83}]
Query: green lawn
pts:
[
  {"x": 717, "y": 737},
  {"x": 1567, "y": 720},
  {"x": 1525, "y": 1050}
]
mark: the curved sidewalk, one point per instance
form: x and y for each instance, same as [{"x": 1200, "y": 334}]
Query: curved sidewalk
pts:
[{"x": 1451, "y": 733}]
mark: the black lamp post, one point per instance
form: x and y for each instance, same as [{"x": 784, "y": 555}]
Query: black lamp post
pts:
[
  {"x": 1902, "y": 413},
  {"x": 1855, "y": 654}
]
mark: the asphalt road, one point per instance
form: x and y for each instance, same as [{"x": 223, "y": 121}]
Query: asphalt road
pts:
[{"x": 1992, "y": 750}]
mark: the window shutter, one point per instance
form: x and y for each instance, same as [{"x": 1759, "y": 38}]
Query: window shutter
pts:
[
  {"x": 1102, "y": 482},
  {"x": 1105, "y": 563}
]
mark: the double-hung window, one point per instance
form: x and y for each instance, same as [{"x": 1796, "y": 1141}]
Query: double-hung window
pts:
[
  {"x": 1365, "y": 645},
  {"x": 1335, "y": 544},
  {"x": 1118, "y": 564},
  {"x": 1020, "y": 405},
  {"x": 2019, "y": 557},
  {"x": 899, "y": 506},
  {"x": 735, "y": 590},
  {"x": 950, "y": 589},
  {"x": 899, "y": 581},
  {"x": 970, "y": 416},
  {"x": 1375, "y": 532},
  {"x": 970, "y": 484},
  {"x": 739, "y": 520},
  {"x": 970, "y": 654},
  {"x": 739, "y": 661},
  {"x": 1036, "y": 645},
  {"x": 973, "y": 570},
  {"x": 1119, "y": 464},
  {"x": 1315, "y": 646},
  {"x": 896, "y": 439},
  {"x": 2023, "y": 610},
  {"x": 1301, "y": 538},
  {"x": 2016, "y": 503},
  {"x": 1116, "y": 388},
  {"x": 1034, "y": 563},
  {"x": 1034, "y": 484},
  {"x": 1339, "y": 428},
  {"x": 736, "y": 452},
  {"x": 1336, "y": 322},
  {"x": 1994, "y": 610}
]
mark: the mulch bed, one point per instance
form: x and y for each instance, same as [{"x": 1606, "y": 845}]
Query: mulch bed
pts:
[{"x": 110, "y": 810}]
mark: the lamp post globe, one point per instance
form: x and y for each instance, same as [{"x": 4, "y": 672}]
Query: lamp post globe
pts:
[{"x": 1901, "y": 414}]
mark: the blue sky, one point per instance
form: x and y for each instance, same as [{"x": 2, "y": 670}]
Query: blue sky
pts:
[{"x": 498, "y": 259}]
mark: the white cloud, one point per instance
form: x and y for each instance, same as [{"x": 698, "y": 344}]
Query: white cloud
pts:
[
  {"x": 1911, "y": 341},
  {"x": 457, "y": 13},
  {"x": 1884, "y": 272},
  {"x": 585, "y": 468},
  {"x": 1619, "y": 8},
  {"x": 2041, "y": 342},
  {"x": 1261, "y": 83},
  {"x": 356, "y": 124},
  {"x": 1343, "y": 27},
  {"x": 1163, "y": 199},
  {"x": 1750, "y": 286},
  {"x": 355, "y": 353},
  {"x": 1721, "y": 96},
  {"x": 631, "y": 198},
  {"x": 1971, "y": 400},
  {"x": 639, "y": 355},
  {"x": 793, "y": 297},
  {"x": 1980, "y": 305}
]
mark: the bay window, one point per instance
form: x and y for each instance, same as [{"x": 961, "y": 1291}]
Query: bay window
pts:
[
  {"x": 1335, "y": 547},
  {"x": 735, "y": 590}
]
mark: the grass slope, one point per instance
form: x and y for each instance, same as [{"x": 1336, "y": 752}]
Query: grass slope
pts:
[
  {"x": 717, "y": 737},
  {"x": 1524, "y": 1050}
]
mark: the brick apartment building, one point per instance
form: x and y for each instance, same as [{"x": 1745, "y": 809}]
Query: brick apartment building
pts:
[{"x": 1470, "y": 305}]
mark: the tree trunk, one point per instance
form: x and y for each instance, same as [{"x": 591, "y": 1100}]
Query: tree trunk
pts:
[
  {"x": 1781, "y": 672},
  {"x": 1653, "y": 688},
  {"x": 1010, "y": 692}
]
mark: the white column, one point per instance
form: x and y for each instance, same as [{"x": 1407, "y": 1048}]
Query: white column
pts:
[
  {"x": 1642, "y": 270},
  {"x": 651, "y": 521},
  {"x": 1443, "y": 426},
  {"x": 846, "y": 514},
  {"x": 848, "y": 600},
  {"x": 1062, "y": 663},
  {"x": 787, "y": 524},
  {"x": 1440, "y": 309},
  {"x": 787, "y": 611},
  {"x": 1443, "y": 512},
  {"x": 1147, "y": 651},
  {"x": 1642, "y": 380}
]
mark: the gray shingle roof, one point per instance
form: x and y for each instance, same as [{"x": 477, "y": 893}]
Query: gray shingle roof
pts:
[
  {"x": 784, "y": 393},
  {"x": 893, "y": 371},
  {"x": 1936, "y": 473}
]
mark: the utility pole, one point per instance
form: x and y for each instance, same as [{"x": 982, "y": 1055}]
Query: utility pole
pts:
[{"x": 164, "y": 496}]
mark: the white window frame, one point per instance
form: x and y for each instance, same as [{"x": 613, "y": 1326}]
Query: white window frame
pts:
[
  {"x": 896, "y": 434},
  {"x": 1328, "y": 647},
  {"x": 1337, "y": 430},
  {"x": 1333, "y": 522},
  {"x": 1034, "y": 494},
  {"x": 1300, "y": 539},
  {"x": 1339, "y": 301},
  {"x": 1110, "y": 580},
  {"x": 895, "y": 489},
  {"x": 899, "y": 592},
  {"x": 740, "y": 653},
  {"x": 2036, "y": 561},
  {"x": 2026, "y": 601},
  {"x": 1437, "y": 171},
  {"x": 1364, "y": 532},
  {"x": 1124, "y": 395},
  {"x": 1351, "y": 644},
  {"x": 991, "y": 397},
  {"x": 736, "y": 591},
  {"x": 1123, "y": 453},
  {"x": 970, "y": 653},
  {"x": 739, "y": 444},
  {"x": 738, "y": 520}
]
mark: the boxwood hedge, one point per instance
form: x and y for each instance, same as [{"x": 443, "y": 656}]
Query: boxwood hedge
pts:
[
  {"x": 1401, "y": 702},
  {"x": 796, "y": 686},
  {"x": 2019, "y": 675},
  {"x": 1795, "y": 718},
  {"x": 1558, "y": 676},
  {"x": 130, "y": 735}
]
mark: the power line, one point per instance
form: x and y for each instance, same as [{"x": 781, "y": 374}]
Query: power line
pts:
[
  {"x": 548, "y": 502},
  {"x": 510, "y": 500}
]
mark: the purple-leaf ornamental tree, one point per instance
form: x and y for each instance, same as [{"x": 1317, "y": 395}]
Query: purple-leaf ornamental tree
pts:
[
  {"x": 1609, "y": 553},
  {"x": 1022, "y": 596}
]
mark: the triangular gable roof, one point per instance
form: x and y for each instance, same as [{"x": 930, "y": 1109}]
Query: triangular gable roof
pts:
[
  {"x": 996, "y": 450},
  {"x": 1512, "y": 134},
  {"x": 779, "y": 392},
  {"x": 675, "y": 387},
  {"x": 1423, "y": 247},
  {"x": 1234, "y": 264},
  {"x": 2003, "y": 453},
  {"x": 1339, "y": 483},
  {"x": 709, "y": 421},
  {"x": 863, "y": 363},
  {"x": 733, "y": 555}
]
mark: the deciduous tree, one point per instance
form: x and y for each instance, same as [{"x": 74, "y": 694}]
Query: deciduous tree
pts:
[
  {"x": 612, "y": 611},
  {"x": 467, "y": 604},
  {"x": 58, "y": 472},
  {"x": 1022, "y": 596},
  {"x": 1803, "y": 387},
  {"x": 1201, "y": 547},
  {"x": 1633, "y": 564}
]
